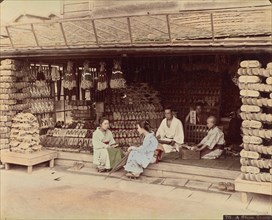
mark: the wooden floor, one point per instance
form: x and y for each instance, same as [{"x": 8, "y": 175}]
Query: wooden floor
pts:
[{"x": 228, "y": 163}]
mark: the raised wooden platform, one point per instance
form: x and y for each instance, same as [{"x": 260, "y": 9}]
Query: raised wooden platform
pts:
[
  {"x": 162, "y": 169},
  {"x": 245, "y": 187},
  {"x": 29, "y": 159}
]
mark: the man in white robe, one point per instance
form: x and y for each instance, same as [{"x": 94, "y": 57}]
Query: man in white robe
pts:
[{"x": 170, "y": 130}]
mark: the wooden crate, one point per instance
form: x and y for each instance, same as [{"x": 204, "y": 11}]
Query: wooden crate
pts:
[
  {"x": 29, "y": 159},
  {"x": 245, "y": 187},
  {"x": 187, "y": 154}
]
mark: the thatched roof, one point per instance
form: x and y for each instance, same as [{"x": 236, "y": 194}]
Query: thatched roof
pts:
[{"x": 235, "y": 27}]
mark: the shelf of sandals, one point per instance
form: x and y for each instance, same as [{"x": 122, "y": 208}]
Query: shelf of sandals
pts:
[
  {"x": 185, "y": 95},
  {"x": 255, "y": 89},
  {"x": 77, "y": 135},
  {"x": 73, "y": 137},
  {"x": 42, "y": 100},
  {"x": 13, "y": 96},
  {"x": 126, "y": 107}
]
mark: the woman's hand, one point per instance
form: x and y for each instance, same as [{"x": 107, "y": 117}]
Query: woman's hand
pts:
[
  {"x": 115, "y": 145},
  {"x": 131, "y": 148}
]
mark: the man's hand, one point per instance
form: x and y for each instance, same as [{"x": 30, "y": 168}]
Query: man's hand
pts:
[
  {"x": 195, "y": 148},
  {"x": 172, "y": 143}
]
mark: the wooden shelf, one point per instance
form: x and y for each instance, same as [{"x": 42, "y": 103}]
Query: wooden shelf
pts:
[{"x": 28, "y": 159}]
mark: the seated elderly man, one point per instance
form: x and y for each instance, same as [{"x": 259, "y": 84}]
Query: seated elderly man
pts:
[{"x": 211, "y": 146}]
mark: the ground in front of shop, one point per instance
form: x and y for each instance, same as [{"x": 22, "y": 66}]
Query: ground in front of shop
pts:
[{"x": 61, "y": 194}]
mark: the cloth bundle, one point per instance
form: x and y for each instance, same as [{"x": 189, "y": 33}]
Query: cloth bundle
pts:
[
  {"x": 254, "y": 84},
  {"x": 117, "y": 78},
  {"x": 102, "y": 83},
  {"x": 69, "y": 80},
  {"x": 24, "y": 136},
  {"x": 87, "y": 77},
  {"x": 55, "y": 74}
]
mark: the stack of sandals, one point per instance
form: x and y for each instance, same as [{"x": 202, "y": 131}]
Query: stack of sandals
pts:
[
  {"x": 13, "y": 79},
  {"x": 255, "y": 85}
]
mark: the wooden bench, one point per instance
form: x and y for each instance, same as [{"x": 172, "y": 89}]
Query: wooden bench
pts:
[
  {"x": 28, "y": 159},
  {"x": 245, "y": 187}
]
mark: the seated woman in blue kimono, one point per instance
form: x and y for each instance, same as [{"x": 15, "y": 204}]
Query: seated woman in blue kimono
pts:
[{"x": 140, "y": 157}]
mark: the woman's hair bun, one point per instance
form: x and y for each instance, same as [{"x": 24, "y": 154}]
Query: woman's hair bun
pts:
[{"x": 145, "y": 125}]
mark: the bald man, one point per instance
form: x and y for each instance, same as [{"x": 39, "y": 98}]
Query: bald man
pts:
[{"x": 211, "y": 146}]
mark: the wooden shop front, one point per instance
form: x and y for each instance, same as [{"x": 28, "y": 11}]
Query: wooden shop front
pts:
[{"x": 164, "y": 59}]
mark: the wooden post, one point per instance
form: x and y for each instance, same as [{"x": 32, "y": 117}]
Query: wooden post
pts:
[
  {"x": 29, "y": 169},
  {"x": 95, "y": 33},
  {"x": 11, "y": 42},
  {"x": 51, "y": 163},
  {"x": 63, "y": 34},
  {"x": 244, "y": 197},
  {"x": 129, "y": 30},
  {"x": 35, "y": 36},
  {"x": 212, "y": 26},
  {"x": 169, "y": 28},
  {"x": 7, "y": 166}
]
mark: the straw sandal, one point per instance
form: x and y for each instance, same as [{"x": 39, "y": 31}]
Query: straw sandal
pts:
[
  {"x": 252, "y": 140},
  {"x": 101, "y": 169},
  {"x": 249, "y": 93},
  {"x": 251, "y": 124},
  {"x": 249, "y": 79},
  {"x": 250, "y": 63},
  {"x": 226, "y": 186},
  {"x": 133, "y": 175},
  {"x": 249, "y": 154},
  {"x": 250, "y": 108},
  {"x": 250, "y": 169},
  {"x": 269, "y": 80}
]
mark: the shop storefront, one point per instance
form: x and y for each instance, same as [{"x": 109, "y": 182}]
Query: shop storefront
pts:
[{"x": 67, "y": 81}]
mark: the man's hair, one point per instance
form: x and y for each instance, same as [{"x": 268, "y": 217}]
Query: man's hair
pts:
[
  {"x": 213, "y": 118},
  {"x": 168, "y": 108}
]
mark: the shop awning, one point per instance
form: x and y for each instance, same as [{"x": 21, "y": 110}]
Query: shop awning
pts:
[{"x": 224, "y": 28}]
